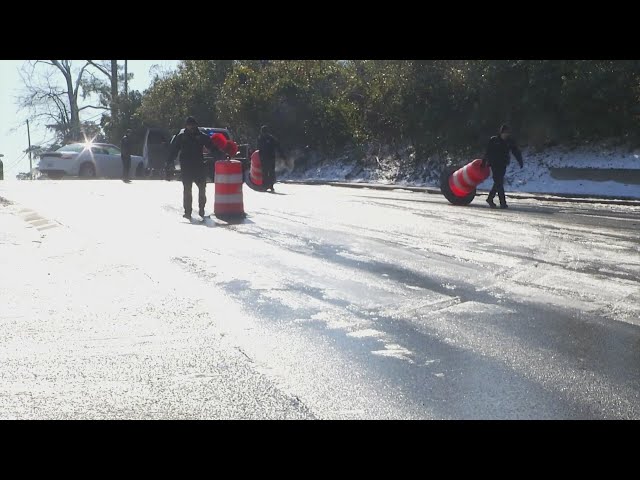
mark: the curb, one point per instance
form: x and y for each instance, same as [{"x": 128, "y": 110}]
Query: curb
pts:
[{"x": 545, "y": 197}]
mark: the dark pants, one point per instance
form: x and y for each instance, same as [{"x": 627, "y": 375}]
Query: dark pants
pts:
[
  {"x": 268, "y": 172},
  {"x": 126, "y": 167},
  {"x": 498, "y": 172},
  {"x": 188, "y": 179}
]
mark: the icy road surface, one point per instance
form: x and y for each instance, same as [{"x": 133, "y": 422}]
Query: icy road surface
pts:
[{"x": 324, "y": 303}]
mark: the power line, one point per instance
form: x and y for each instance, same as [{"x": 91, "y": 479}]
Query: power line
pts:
[
  {"x": 26, "y": 152},
  {"x": 94, "y": 117},
  {"x": 17, "y": 161}
]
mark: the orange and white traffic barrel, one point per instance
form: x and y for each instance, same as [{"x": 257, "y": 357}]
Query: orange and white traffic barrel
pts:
[
  {"x": 255, "y": 172},
  {"x": 228, "y": 201},
  {"x": 459, "y": 185}
]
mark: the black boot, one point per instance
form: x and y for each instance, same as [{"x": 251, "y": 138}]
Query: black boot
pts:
[{"x": 491, "y": 203}]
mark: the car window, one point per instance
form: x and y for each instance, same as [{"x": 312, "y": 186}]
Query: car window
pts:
[
  {"x": 98, "y": 150},
  {"x": 111, "y": 150},
  {"x": 73, "y": 147}
]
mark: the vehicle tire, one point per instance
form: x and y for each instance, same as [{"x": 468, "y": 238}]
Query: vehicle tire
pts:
[
  {"x": 140, "y": 171},
  {"x": 87, "y": 170},
  {"x": 55, "y": 176}
]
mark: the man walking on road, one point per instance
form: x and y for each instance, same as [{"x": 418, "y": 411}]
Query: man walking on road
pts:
[
  {"x": 268, "y": 145},
  {"x": 125, "y": 152},
  {"x": 497, "y": 157},
  {"x": 189, "y": 144}
]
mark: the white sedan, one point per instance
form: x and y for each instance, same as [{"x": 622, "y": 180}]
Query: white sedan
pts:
[{"x": 88, "y": 160}]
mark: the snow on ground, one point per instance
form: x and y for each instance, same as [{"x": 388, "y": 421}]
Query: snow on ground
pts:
[
  {"x": 595, "y": 170},
  {"x": 538, "y": 174}
]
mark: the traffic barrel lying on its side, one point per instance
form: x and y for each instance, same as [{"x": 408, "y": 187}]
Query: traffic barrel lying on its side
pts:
[
  {"x": 254, "y": 180},
  {"x": 458, "y": 185},
  {"x": 228, "y": 197}
]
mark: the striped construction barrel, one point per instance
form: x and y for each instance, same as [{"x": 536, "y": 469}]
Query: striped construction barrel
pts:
[
  {"x": 228, "y": 193},
  {"x": 459, "y": 185},
  {"x": 254, "y": 179}
]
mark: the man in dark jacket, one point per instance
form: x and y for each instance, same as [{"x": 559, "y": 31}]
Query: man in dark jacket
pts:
[
  {"x": 497, "y": 157},
  {"x": 125, "y": 153},
  {"x": 268, "y": 145},
  {"x": 189, "y": 144}
]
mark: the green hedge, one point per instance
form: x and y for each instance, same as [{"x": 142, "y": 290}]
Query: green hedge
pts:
[{"x": 432, "y": 105}]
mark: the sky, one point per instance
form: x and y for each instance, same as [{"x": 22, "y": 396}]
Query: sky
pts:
[{"x": 13, "y": 143}]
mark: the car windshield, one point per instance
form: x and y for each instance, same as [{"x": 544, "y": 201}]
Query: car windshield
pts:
[{"x": 73, "y": 147}]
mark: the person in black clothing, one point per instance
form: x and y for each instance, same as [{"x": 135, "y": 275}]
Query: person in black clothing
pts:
[
  {"x": 268, "y": 145},
  {"x": 497, "y": 157},
  {"x": 192, "y": 165},
  {"x": 125, "y": 153}
]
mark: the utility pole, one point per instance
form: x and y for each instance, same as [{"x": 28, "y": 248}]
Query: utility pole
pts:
[
  {"x": 30, "y": 162},
  {"x": 114, "y": 99},
  {"x": 126, "y": 95}
]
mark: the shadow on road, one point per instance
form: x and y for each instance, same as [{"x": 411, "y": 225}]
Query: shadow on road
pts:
[
  {"x": 513, "y": 207},
  {"x": 212, "y": 222},
  {"x": 477, "y": 203}
]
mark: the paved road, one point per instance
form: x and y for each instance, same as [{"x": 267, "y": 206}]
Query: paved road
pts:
[{"x": 324, "y": 303}]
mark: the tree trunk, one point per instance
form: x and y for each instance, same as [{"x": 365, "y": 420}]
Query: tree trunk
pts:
[{"x": 74, "y": 131}]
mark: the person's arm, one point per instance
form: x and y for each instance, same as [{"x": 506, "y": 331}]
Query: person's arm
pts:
[
  {"x": 516, "y": 153},
  {"x": 485, "y": 159},
  {"x": 174, "y": 148}
]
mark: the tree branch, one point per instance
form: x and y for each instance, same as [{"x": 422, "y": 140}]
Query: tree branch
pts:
[
  {"x": 101, "y": 68},
  {"x": 60, "y": 67},
  {"x": 79, "y": 80},
  {"x": 92, "y": 106}
]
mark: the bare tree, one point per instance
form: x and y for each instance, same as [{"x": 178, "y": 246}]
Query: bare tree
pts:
[{"x": 52, "y": 91}]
